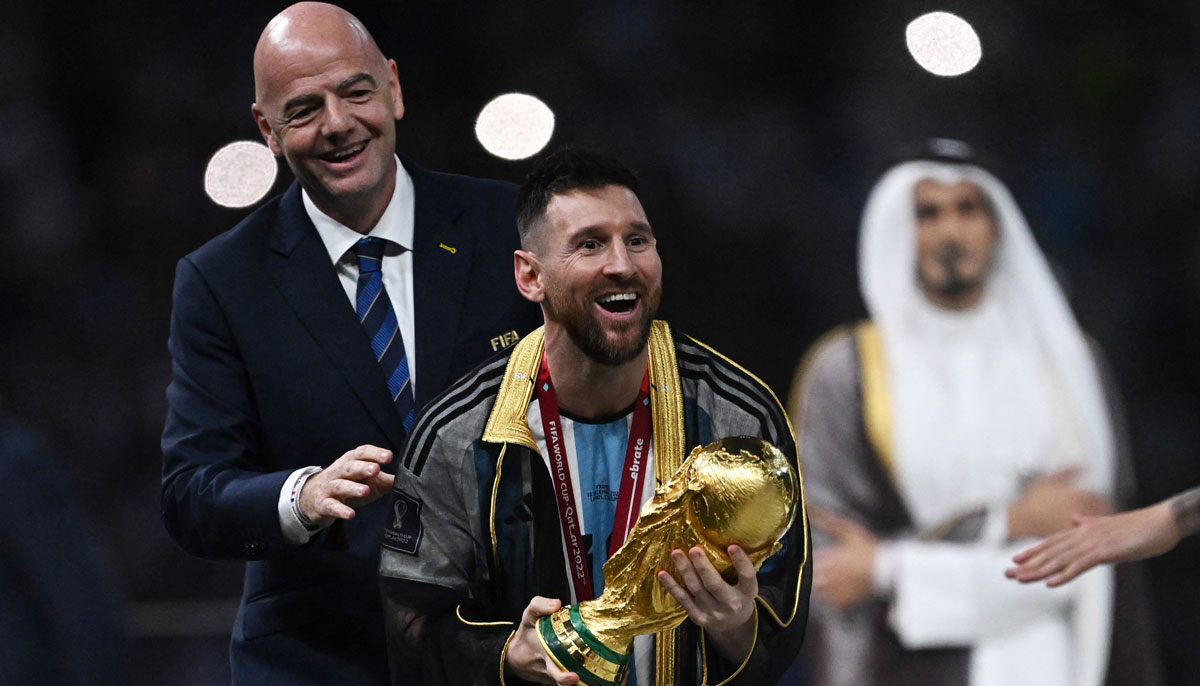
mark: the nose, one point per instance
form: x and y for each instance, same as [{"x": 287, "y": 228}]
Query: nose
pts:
[
  {"x": 956, "y": 226},
  {"x": 949, "y": 227},
  {"x": 338, "y": 120},
  {"x": 619, "y": 265}
]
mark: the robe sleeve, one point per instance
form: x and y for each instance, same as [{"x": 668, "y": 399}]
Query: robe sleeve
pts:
[
  {"x": 841, "y": 475},
  {"x": 948, "y": 594},
  {"x": 432, "y": 557}
]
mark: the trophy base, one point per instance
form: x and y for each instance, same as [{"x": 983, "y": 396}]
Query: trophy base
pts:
[{"x": 575, "y": 648}]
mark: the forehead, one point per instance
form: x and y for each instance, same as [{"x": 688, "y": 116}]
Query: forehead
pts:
[
  {"x": 606, "y": 207},
  {"x": 929, "y": 191},
  {"x": 302, "y": 60}
]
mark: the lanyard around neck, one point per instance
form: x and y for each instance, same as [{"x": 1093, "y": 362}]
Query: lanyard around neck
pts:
[{"x": 632, "y": 478}]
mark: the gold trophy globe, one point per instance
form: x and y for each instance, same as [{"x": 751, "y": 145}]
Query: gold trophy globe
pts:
[{"x": 739, "y": 490}]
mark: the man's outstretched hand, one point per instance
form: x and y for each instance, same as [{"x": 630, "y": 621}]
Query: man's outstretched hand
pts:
[{"x": 354, "y": 479}]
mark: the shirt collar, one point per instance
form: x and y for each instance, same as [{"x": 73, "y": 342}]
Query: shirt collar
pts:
[{"x": 396, "y": 224}]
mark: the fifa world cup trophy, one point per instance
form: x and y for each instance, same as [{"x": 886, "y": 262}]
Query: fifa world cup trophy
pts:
[{"x": 736, "y": 490}]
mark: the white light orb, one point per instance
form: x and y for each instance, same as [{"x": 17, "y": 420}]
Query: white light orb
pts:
[
  {"x": 943, "y": 44},
  {"x": 514, "y": 126},
  {"x": 240, "y": 174}
]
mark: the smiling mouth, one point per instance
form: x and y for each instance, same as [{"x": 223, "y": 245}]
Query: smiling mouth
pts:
[
  {"x": 345, "y": 154},
  {"x": 618, "y": 303}
]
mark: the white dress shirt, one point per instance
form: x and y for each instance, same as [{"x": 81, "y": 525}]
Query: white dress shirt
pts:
[{"x": 396, "y": 227}]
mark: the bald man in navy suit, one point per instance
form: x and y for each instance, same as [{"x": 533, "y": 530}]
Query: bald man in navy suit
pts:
[{"x": 287, "y": 402}]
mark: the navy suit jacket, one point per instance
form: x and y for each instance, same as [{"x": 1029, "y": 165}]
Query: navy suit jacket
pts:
[{"x": 272, "y": 372}]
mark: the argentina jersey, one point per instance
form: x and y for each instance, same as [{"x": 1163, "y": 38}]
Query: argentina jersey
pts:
[{"x": 596, "y": 457}]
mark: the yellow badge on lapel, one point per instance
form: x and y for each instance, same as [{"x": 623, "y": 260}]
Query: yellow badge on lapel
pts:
[
  {"x": 448, "y": 248},
  {"x": 504, "y": 340}
]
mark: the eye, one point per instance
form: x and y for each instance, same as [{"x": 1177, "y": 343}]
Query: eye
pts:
[
  {"x": 361, "y": 94},
  {"x": 589, "y": 244},
  {"x": 927, "y": 212},
  {"x": 300, "y": 114}
]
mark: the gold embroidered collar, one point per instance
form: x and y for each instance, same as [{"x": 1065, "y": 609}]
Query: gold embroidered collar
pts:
[{"x": 507, "y": 423}]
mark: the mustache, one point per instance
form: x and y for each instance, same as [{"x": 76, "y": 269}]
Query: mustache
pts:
[
  {"x": 950, "y": 253},
  {"x": 634, "y": 284}
]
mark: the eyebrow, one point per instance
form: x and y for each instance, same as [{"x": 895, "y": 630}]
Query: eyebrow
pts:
[
  {"x": 351, "y": 80},
  {"x": 582, "y": 231},
  {"x": 312, "y": 98}
]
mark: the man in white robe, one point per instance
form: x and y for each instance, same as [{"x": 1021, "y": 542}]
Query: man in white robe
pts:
[{"x": 966, "y": 418}]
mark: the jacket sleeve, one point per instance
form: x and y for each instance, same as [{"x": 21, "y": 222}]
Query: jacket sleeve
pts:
[
  {"x": 784, "y": 584},
  {"x": 218, "y": 499},
  {"x": 434, "y": 573},
  {"x": 781, "y": 618}
]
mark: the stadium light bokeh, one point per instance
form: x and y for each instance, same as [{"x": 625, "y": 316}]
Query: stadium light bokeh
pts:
[
  {"x": 514, "y": 126},
  {"x": 240, "y": 174},
  {"x": 944, "y": 44}
]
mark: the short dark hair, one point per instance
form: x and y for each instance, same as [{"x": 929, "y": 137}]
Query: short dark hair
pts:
[{"x": 564, "y": 171}]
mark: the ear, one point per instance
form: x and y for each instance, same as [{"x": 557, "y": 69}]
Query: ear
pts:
[
  {"x": 264, "y": 127},
  {"x": 528, "y": 274},
  {"x": 394, "y": 85}
]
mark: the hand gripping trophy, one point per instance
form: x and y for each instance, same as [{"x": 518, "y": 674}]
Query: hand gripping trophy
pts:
[{"x": 736, "y": 490}]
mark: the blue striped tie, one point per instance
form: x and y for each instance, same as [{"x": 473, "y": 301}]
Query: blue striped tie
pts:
[{"x": 375, "y": 313}]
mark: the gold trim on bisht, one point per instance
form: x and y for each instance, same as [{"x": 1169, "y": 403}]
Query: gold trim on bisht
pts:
[
  {"x": 464, "y": 620},
  {"x": 492, "y": 511},
  {"x": 803, "y": 512},
  {"x": 877, "y": 406},
  {"x": 664, "y": 658},
  {"x": 506, "y": 423},
  {"x": 670, "y": 449},
  {"x": 504, "y": 656},
  {"x": 666, "y": 402},
  {"x": 745, "y": 661}
]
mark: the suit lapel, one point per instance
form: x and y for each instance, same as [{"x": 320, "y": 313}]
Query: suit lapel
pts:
[
  {"x": 441, "y": 267},
  {"x": 300, "y": 267}
]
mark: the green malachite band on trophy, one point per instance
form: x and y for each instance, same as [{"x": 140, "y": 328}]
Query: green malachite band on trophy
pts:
[
  {"x": 593, "y": 642},
  {"x": 566, "y": 660}
]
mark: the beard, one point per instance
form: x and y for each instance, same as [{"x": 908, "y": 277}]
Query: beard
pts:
[
  {"x": 615, "y": 345},
  {"x": 954, "y": 284}
]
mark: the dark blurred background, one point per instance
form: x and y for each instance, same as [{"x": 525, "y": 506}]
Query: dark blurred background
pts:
[{"x": 758, "y": 129}]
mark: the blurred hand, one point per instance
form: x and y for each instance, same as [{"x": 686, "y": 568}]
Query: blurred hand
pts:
[
  {"x": 725, "y": 611},
  {"x": 842, "y": 572},
  {"x": 1098, "y": 540},
  {"x": 1047, "y": 506},
  {"x": 354, "y": 479},
  {"x": 526, "y": 657}
]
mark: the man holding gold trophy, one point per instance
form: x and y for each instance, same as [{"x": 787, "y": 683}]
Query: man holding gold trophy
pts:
[{"x": 548, "y": 524}]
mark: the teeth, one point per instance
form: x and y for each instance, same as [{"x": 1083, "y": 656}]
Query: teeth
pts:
[
  {"x": 617, "y": 297},
  {"x": 347, "y": 154}
]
